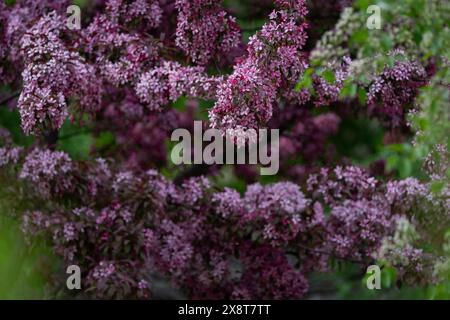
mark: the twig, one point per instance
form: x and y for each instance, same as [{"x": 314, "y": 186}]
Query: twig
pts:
[{"x": 9, "y": 98}]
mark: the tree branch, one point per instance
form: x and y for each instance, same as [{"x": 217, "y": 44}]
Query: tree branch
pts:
[{"x": 195, "y": 170}]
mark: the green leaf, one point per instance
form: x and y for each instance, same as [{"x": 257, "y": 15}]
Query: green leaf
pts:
[
  {"x": 329, "y": 76},
  {"x": 437, "y": 186}
]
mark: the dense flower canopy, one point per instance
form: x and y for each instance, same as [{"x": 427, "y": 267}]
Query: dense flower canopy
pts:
[{"x": 138, "y": 69}]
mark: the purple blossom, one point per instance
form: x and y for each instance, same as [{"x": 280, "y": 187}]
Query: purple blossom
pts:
[
  {"x": 204, "y": 30},
  {"x": 342, "y": 183},
  {"x": 130, "y": 217},
  {"x": 279, "y": 208},
  {"x": 69, "y": 232},
  {"x": 48, "y": 170},
  {"x": 143, "y": 284},
  {"x": 403, "y": 194},
  {"x": 357, "y": 227},
  {"x": 166, "y": 83},
  {"x": 104, "y": 270},
  {"x": 52, "y": 74},
  {"x": 394, "y": 89},
  {"x": 228, "y": 203}
]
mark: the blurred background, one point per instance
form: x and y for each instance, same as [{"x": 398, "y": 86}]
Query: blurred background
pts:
[{"x": 26, "y": 269}]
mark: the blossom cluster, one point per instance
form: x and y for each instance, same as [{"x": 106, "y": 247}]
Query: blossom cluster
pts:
[
  {"x": 52, "y": 73},
  {"x": 274, "y": 63},
  {"x": 396, "y": 87},
  {"x": 9, "y": 154},
  {"x": 170, "y": 81},
  {"x": 48, "y": 170}
]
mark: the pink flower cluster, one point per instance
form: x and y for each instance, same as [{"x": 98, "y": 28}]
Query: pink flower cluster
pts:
[
  {"x": 124, "y": 11},
  {"x": 49, "y": 171},
  {"x": 358, "y": 226},
  {"x": 328, "y": 92},
  {"x": 9, "y": 154},
  {"x": 120, "y": 55},
  {"x": 342, "y": 183},
  {"x": 52, "y": 74},
  {"x": 119, "y": 216},
  {"x": 161, "y": 85},
  {"x": 280, "y": 210},
  {"x": 212, "y": 244}
]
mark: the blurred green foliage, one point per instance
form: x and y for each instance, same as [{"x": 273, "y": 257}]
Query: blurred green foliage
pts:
[{"x": 24, "y": 269}]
